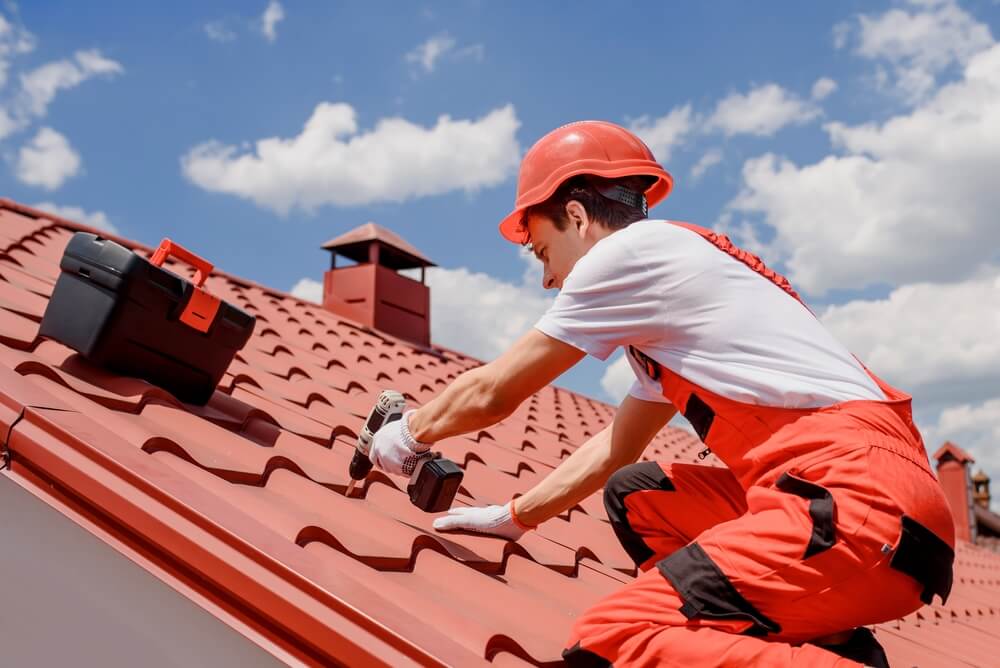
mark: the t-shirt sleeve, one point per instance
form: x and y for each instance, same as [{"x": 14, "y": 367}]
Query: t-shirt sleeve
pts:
[{"x": 605, "y": 302}]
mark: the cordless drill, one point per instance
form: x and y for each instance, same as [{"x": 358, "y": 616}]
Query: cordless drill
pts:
[{"x": 434, "y": 481}]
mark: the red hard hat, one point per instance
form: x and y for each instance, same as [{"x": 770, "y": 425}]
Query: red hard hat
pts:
[{"x": 586, "y": 147}]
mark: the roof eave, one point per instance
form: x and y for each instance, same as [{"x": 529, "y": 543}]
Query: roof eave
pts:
[{"x": 145, "y": 511}]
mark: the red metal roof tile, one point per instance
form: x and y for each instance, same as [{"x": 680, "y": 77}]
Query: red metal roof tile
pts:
[
  {"x": 16, "y": 331},
  {"x": 240, "y": 501}
]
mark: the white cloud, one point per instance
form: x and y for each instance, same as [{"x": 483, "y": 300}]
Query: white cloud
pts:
[
  {"x": 14, "y": 41},
  {"x": 918, "y": 45},
  {"x": 47, "y": 161},
  {"x": 911, "y": 199},
  {"x": 217, "y": 31},
  {"x": 940, "y": 341},
  {"x": 763, "y": 111},
  {"x": 332, "y": 162},
  {"x": 823, "y": 88},
  {"x": 618, "y": 378},
  {"x": 8, "y": 124},
  {"x": 712, "y": 157},
  {"x": 473, "y": 312},
  {"x": 40, "y": 86},
  {"x": 841, "y": 33},
  {"x": 273, "y": 15},
  {"x": 96, "y": 219},
  {"x": 427, "y": 54},
  {"x": 975, "y": 427},
  {"x": 476, "y": 52},
  {"x": 480, "y": 315},
  {"x": 983, "y": 418},
  {"x": 665, "y": 133},
  {"x": 309, "y": 290}
]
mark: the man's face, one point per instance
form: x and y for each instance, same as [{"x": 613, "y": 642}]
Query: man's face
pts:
[{"x": 557, "y": 250}]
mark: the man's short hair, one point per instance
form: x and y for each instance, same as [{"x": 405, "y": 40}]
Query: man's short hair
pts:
[{"x": 603, "y": 210}]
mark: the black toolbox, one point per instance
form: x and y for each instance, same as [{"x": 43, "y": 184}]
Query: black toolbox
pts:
[{"x": 126, "y": 313}]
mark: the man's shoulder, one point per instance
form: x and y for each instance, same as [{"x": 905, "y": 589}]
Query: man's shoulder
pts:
[
  {"x": 637, "y": 248},
  {"x": 658, "y": 239},
  {"x": 656, "y": 228}
]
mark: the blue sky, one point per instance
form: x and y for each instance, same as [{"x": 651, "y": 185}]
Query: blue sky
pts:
[{"x": 145, "y": 116}]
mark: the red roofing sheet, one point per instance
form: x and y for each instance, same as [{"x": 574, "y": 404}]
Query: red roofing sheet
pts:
[{"x": 239, "y": 504}]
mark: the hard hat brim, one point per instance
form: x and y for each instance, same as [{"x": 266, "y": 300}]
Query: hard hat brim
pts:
[{"x": 510, "y": 227}]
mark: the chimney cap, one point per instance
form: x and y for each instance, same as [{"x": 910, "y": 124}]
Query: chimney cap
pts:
[
  {"x": 949, "y": 449},
  {"x": 980, "y": 476},
  {"x": 396, "y": 252}
]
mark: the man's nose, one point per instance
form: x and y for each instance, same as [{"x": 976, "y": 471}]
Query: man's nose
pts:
[{"x": 548, "y": 281}]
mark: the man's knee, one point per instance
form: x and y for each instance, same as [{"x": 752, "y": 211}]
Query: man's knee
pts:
[
  {"x": 640, "y": 477},
  {"x": 643, "y": 476}
]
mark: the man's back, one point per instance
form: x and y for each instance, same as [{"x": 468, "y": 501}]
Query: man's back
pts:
[{"x": 704, "y": 315}]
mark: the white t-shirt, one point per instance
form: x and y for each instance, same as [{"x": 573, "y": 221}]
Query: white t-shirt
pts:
[{"x": 704, "y": 315}]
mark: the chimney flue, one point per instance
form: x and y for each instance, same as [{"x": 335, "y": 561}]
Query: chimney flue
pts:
[
  {"x": 372, "y": 291},
  {"x": 981, "y": 489},
  {"x": 953, "y": 464}
]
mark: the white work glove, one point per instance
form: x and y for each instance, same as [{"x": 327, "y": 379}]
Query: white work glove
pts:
[
  {"x": 394, "y": 450},
  {"x": 495, "y": 520}
]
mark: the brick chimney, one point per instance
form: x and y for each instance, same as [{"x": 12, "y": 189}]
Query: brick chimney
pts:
[
  {"x": 372, "y": 291},
  {"x": 981, "y": 489},
  {"x": 953, "y": 466}
]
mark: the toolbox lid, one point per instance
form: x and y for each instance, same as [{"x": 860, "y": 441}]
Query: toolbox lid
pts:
[{"x": 394, "y": 251}]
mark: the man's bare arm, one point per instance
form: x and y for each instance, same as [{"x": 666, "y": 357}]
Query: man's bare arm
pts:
[
  {"x": 483, "y": 396},
  {"x": 586, "y": 470}
]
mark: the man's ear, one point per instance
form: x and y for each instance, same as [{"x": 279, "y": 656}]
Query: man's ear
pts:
[{"x": 578, "y": 217}]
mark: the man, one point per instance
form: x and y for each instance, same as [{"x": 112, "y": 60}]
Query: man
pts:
[{"x": 828, "y": 516}]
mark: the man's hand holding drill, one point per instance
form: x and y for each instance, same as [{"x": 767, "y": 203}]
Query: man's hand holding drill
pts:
[{"x": 394, "y": 450}]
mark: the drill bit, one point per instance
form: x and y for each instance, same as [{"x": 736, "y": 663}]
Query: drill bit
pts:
[{"x": 388, "y": 407}]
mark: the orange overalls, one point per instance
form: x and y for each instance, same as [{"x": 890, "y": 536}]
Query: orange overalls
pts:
[{"x": 826, "y": 519}]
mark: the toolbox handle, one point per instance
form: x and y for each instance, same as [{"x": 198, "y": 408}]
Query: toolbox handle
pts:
[{"x": 167, "y": 247}]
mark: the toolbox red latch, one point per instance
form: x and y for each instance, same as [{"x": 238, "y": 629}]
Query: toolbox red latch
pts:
[{"x": 199, "y": 313}]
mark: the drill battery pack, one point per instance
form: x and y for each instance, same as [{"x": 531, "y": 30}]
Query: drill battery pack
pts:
[{"x": 127, "y": 313}]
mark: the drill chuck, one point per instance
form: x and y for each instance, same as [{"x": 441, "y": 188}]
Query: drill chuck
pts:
[
  {"x": 388, "y": 408},
  {"x": 361, "y": 466}
]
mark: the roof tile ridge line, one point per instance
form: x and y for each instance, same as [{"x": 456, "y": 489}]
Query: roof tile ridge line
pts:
[
  {"x": 274, "y": 463},
  {"x": 453, "y": 351},
  {"x": 131, "y": 244},
  {"x": 38, "y": 213},
  {"x": 261, "y": 393},
  {"x": 424, "y": 540},
  {"x": 499, "y": 643},
  {"x": 522, "y": 463},
  {"x": 165, "y": 500},
  {"x": 8, "y": 203},
  {"x": 56, "y": 374},
  {"x": 57, "y": 221}
]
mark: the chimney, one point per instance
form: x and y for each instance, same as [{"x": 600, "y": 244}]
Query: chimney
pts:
[
  {"x": 981, "y": 489},
  {"x": 372, "y": 291},
  {"x": 953, "y": 464}
]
